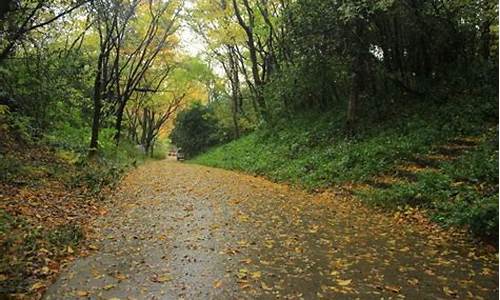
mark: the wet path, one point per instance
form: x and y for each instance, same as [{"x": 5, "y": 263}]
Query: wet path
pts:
[{"x": 180, "y": 231}]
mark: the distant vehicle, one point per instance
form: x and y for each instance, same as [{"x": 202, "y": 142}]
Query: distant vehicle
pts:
[{"x": 179, "y": 154}]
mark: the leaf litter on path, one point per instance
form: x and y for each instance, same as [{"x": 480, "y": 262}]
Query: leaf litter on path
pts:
[{"x": 185, "y": 231}]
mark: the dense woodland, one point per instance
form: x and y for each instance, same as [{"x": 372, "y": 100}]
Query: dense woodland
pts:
[
  {"x": 91, "y": 69},
  {"x": 313, "y": 92}
]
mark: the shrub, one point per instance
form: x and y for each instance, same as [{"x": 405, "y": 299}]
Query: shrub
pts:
[{"x": 195, "y": 130}]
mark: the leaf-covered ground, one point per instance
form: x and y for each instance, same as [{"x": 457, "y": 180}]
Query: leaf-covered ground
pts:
[
  {"x": 175, "y": 230},
  {"x": 44, "y": 212}
]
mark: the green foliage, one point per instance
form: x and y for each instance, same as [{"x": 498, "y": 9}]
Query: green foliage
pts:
[
  {"x": 314, "y": 152},
  {"x": 48, "y": 91},
  {"x": 65, "y": 235},
  {"x": 195, "y": 130},
  {"x": 9, "y": 167},
  {"x": 21, "y": 240},
  {"x": 97, "y": 175}
]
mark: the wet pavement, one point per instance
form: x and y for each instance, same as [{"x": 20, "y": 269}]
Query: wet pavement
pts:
[{"x": 181, "y": 231}]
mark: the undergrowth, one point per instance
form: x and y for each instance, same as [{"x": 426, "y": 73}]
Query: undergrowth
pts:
[
  {"x": 49, "y": 190},
  {"x": 313, "y": 151},
  {"x": 30, "y": 252}
]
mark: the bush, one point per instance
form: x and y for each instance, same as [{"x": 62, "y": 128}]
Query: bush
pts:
[
  {"x": 95, "y": 175},
  {"x": 195, "y": 130}
]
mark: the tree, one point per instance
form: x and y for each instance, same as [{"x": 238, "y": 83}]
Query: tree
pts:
[
  {"x": 19, "y": 18},
  {"x": 134, "y": 62},
  {"x": 194, "y": 130},
  {"x": 127, "y": 53}
]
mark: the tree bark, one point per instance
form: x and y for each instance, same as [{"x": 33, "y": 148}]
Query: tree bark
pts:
[
  {"x": 248, "y": 28},
  {"x": 357, "y": 76},
  {"x": 119, "y": 121},
  {"x": 94, "y": 139}
]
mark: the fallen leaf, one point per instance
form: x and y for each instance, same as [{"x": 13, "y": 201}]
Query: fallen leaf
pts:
[
  {"x": 265, "y": 286},
  {"x": 246, "y": 261},
  {"x": 37, "y": 286},
  {"x": 108, "y": 287},
  {"x": 163, "y": 278},
  {"x": 217, "y": 284},
  {"x": 394, "y": 289},
  {"x": 449, "y": 291},
  {"x": 344, "y": 282},
  {"x": 413, "y": 282},
  {"x": 82, "y": 293},
  {"x": 120, "y": 276}
]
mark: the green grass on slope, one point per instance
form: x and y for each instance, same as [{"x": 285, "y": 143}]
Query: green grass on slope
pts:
[{"x": 313, "y": 151}]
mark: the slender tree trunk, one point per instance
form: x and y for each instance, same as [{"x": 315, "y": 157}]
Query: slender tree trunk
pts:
[
  {"x": 356, "y": 77},
  {"x": 352, "y": 105},
  {"x": 235, "y": 90},
  {"x": 485, "y": 40},
  {"x": 259, "y": 93},
  {"x": 235, "y": 123},
  {"x": 94, "y": 140},
  {"x": 119, "y": 121}
]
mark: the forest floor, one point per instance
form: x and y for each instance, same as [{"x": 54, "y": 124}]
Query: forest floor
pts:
[{"x": 175, "y": 230}]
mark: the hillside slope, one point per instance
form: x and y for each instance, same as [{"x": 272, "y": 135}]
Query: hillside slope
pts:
[{"x": 442, "y": 159}]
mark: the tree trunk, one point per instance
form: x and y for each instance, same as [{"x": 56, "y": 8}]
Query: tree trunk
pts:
[
  {"x": 119, "y": 121},
  {"x": 259, "y": 95},
  {"x": 353, "y": 102},
  {"x": 94, "y": 140},
  {"x": 485, "y": 40},
  {"x": 356, "y": 77},
  {"x": 235, "y": 123}
]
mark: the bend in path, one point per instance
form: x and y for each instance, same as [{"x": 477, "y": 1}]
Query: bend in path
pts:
[{"x": 181, "y": 231}]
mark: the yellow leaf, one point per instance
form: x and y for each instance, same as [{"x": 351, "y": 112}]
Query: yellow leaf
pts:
[
  {"x": 413, "y": 282},
  {"x": 246, "y": 261},
  {"x": 449, "y": 291},
  {"x": 37, "y": 286},
  {"x": 70, "y": 250},
  {"x": 82, "y": 293},
  {"x": 256, "y": 274},
  {"x": 120, "y": 276},
  {"x": 163, "y": 278},
  {"x": 344, "y": 282},
  {"x": 217, "y": 284},
  {"x": 108, "y": 287},
  {"x": 393, "y": 289},
  {"x": 265, "y": 287}
]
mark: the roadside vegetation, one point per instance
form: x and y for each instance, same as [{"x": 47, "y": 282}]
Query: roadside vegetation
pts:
[
  {"x": 396, "y": 100},
  {"x": 80, "y": 104},
  {"x": 49, "y": 195},
  {"x": 455, "y": 163}
]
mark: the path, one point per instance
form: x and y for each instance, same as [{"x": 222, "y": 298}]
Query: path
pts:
[{"x": 176, "y": 230}]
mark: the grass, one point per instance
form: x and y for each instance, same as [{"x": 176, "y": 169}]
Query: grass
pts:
[{"x": 313, "y": 151}]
